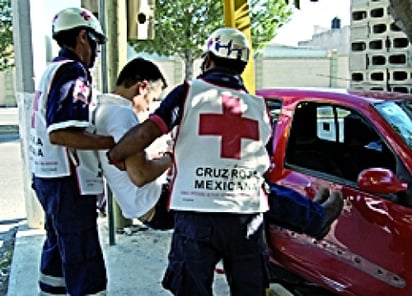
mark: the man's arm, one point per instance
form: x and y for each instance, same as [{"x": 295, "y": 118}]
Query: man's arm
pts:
[
  {"x": 136, "y": 140},
  {"x": 80, "y": 139},
  {"x": 142, "y": 170}
]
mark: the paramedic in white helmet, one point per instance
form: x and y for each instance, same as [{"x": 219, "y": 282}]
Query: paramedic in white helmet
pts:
[
  {"x": 64, "y": 164},
  {"x": 219, "y": 161}
]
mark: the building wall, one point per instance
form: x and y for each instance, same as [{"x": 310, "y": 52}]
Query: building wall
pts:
[
  {"x": 7, "y": 89},
  {"x": 303, "y": 72},
  {"x": 295, "y": 72},
  {"x": 171, "y": 69},
  {"x": 269, "y": 72},
  {"x": 342, "y": 75},
  {"x": 330, "y": 39},
  {"x": 381, "y": 55}
]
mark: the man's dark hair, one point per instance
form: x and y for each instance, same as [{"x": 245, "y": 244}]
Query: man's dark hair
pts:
[
  {"x": 237, "y": 66},
  {"x": 137, "y": 70},
  {"x": 67, "y": 38}
]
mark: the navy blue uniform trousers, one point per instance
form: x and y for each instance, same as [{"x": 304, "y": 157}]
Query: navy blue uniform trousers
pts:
[
  {"x": 72, "y": 260},
  {"x": 201, "y": 240},
  {"x": 294, "y": 211}
]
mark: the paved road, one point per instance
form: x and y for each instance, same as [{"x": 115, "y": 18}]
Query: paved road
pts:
[
  {"x": 11, "y": 179},
  {"x": 12, "y": 202},
  {"x": 12, "y": 206}
]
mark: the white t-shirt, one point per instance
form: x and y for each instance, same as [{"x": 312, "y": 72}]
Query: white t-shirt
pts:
[{"x": 114, "y": 116}]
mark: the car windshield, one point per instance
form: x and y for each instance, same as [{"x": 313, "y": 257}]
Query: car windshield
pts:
[{"x": 399, "y": 115}]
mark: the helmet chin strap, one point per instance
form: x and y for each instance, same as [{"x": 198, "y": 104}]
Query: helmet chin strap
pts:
[
  {"x": 202, "y": 66},
  {"x": 206, "y": 64}
]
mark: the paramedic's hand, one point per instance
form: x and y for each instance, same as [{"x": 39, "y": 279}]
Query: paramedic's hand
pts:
[{"x": 121, "y": 164}]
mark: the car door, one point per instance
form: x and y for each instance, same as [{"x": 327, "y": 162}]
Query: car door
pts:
[{"x": 366, "y": 252}]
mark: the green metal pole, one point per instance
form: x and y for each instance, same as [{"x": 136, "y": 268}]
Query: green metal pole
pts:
[
  {"x": 236, "y": 13},
  {"x": 116, "y": 30}
]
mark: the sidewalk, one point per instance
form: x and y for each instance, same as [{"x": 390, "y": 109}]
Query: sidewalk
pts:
[{"x": 135, "y": 263}]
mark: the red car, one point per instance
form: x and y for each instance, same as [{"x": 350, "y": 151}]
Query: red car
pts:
[{"x": 358, "y": 142}]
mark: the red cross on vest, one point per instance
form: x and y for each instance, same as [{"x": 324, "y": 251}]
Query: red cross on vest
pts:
[{"x": 230, "y": 126}]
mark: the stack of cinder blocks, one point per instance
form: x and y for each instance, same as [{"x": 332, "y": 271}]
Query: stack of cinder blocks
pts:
[{"x": 381, "y": 55}]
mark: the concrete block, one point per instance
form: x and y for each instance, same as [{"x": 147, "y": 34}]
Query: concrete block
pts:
[
  {"x": 399, "y": 59},
  {"x": 376, "y": 3},
  {"x": 376, "y": 87},
  {"x": 400, "y": 76},
  {"x": 358, "y": 76},
  {"x": 358, "y": 46},
  {"x": 379, "y": 12},
  {"x": 359, "y": 32},
  {"x": 357, "y": 87},
  {"x": 377, "y": 76},
  {"x": 395, "y": 29},
  {"x": 400, "y": 88},
  {"x": 398, "y": 43},
  {"x": 359, "y": 16},
  {"x": 379, "y": 28},
  {"x": 368, "y": 86},
  {"x": 377, "y": 44},
  {"x": 391, "y": 42},
  {"x": 358, "y": 62},
  {"x": 359, "y": 4},
  {"x": 377, "y": 59}
]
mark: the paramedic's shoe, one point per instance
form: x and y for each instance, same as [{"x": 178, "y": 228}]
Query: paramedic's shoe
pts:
[{"x": 333, "y": 207}]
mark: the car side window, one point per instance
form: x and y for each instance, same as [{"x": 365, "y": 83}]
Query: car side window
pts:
[
  {"x": 335, "y": 141},
  {"x": 327, "y": 127},
  {"x": 274, "y": 108},
  {"x": 363, "y": 147}
]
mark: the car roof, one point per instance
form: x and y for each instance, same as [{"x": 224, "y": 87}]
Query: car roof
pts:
[{"x": 349, "y": 95}]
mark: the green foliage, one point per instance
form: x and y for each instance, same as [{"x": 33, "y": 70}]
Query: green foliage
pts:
[
  {"x": 6, "y": 35},
  {"x": 266, "y": 17},
  {"x": 183, "y": 26}
]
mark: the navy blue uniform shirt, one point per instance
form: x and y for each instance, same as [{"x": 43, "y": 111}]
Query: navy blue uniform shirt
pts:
[
  {"x": 70, "y": 92},
  {"x": 170, "y": 110}
]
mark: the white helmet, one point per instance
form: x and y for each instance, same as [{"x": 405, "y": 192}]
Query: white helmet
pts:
[
  {"x": 228, "y": 43},
  {"x": 76, "y": 17}
]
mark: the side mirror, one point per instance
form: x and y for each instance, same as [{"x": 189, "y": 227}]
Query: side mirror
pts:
[{"x": 378, "y": 180}]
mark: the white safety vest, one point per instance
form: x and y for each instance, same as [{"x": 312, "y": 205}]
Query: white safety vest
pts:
[
  {"x": 53, "y": 161},
  {"x": 220, "y": 154}
]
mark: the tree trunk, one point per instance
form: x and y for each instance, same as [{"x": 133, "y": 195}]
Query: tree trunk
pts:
[
  {"x": 188, "y": 60},
  {"x": 401, "y": 10}
]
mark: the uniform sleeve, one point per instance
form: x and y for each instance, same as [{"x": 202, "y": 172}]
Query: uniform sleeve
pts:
[
  {"x": 169, "y": 113},
  {"x": 69, "y": 98}
]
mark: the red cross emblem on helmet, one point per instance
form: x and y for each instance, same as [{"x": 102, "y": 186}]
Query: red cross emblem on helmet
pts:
[{"x": 85, "y": 15}]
